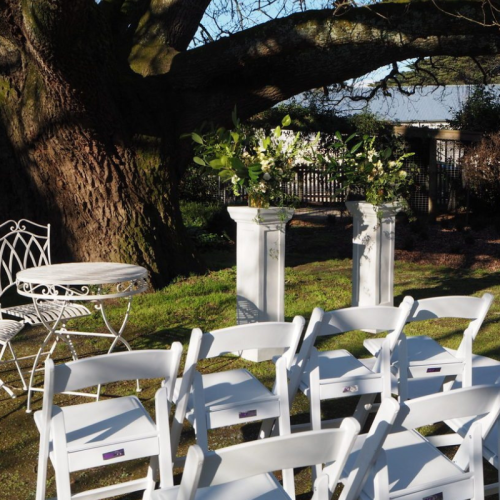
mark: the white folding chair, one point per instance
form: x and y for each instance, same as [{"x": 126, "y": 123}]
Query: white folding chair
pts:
[
  {"x": 25, "y": 244},
  {"x": 234, "y": 396},
  {"x": 424, "y": 357},
  {"x": 338, "y": 374},
  {"x": 109, "y": 431},
  {"x": 244, "y": 471},
  {"x": 410, "y": 466}
]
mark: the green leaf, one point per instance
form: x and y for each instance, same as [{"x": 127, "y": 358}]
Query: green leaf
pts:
[
  {"x": 199, "y": 161},
  {"x": 356, "y": 147},
  {"x": 286, "y": 121},
  {"x": 216, "y": 163},
  {"x": 225, "y": 175},
  {"x": 196, "y": 138},
  {"x": 277, "y": 132},
  {"x": 235, "y": 136},
  {"x": 234, "y": 117}
]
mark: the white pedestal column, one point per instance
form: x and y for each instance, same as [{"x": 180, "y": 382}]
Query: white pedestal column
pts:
[
  {"x": 374, "y": 230},
  {"x": 260, "y": 267}
]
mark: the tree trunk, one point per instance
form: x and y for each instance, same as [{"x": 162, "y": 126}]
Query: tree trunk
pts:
[
  {"x": 94, "y": 98},
  {"x": 109, "y": 193}
]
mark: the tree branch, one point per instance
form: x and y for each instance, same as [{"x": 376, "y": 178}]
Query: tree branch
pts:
[
  {"x": 166, "y": 28},
  {"x": 274, "y": 61},
  {"x": 53, "y": 25}
]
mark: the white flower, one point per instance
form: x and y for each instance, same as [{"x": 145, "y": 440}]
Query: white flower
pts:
[
  {"x": 265, "y": 165},
  {"x": 403, "y": 174},
  {"x": 266, "y": 176},
  {"x": 262, "y": 188},
  {"x": 235, "y": 179}
]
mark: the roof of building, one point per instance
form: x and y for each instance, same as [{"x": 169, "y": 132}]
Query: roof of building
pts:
[{"x": 429, "y": 104}]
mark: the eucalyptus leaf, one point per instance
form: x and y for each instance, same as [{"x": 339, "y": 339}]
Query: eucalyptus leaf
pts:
[
  {"x": 196, "y": 138},
  {"x": 286, "y": 121}
]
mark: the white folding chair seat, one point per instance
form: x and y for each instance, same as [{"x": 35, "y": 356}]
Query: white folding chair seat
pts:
[
  {"x": 338, "y": 374},
  {"x": 234, "y": 396},
  {"x": 109, "y": 431},
  {"x": 410, "y": 466},
  {"x": 251, "y": 399},
  {"x": 8, "y": 330},
  {"x": 243, "y": 471},
  {"x": 424, "y": 357}
]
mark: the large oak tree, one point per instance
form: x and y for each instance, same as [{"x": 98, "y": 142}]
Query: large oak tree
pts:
[{"x": 94, "y": 98}]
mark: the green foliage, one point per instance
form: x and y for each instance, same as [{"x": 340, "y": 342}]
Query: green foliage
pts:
[
  {"x": 481, "y": 112},
  {"x": 375, "y": 172},
  {"x": 449, "y": 70},
  {"x": 305, "y": 119},
  {"x": 199, "y": 185},
  {"x": 367, "y": 123},
  {"x": 208, "y": 224},
  {"x": 254, "y": 161}
]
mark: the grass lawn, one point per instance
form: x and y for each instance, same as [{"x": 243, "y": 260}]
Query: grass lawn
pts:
[{"x": 318, "y": 274}]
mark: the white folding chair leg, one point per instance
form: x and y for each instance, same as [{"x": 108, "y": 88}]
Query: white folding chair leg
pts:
[
  {"x": 200, "y": 423},
  {"x": 60, "y": 459},
  {"x": 151, "y": 478}
]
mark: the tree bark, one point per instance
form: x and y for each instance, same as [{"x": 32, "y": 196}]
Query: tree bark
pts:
[
  {"x": 109, "y": 192},
  {"x": 91, "y": 118}
]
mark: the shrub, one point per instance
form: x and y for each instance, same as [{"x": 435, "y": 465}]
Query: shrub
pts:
[{"x": 208, "y": 224}]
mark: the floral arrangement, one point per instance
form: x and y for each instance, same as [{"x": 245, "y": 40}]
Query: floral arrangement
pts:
[
  {"x": 256, "y": 163},
  {"x": 375, "y": 174}
]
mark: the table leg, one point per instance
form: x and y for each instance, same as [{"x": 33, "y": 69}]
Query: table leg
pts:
[{"x": 118, "y": 334}]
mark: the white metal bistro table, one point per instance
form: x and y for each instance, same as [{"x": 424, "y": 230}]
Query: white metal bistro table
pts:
[{"x": 81, "y": 281}]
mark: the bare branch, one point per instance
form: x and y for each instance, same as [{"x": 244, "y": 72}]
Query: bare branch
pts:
[
  {"x": 281, "y": 58},
  {"x": 481, "y": 69}
]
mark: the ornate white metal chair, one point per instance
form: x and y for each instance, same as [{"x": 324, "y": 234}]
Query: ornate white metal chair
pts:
[
  {"x": 410, "y": 466},
  {"x": 109, "y": 431},
  {"x": 243, "y": 471},
  {"x": 8, "y": 330},
  {"x": 338, "y": 374},
  {"x": 25, "y": 244},
  {"x": 234, "y": 396},
  {"x": 424, "y": 357}
]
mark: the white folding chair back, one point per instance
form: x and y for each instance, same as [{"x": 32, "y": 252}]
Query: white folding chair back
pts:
[
  {"x": 108, "y": 431},
  {"x": 410, "y": 466},
  {"x": 337, "y": 374},
  {"x": 243, "y": 471},
  {"x": 425, "y": 357},
  {"x": 234, "y": 396}
]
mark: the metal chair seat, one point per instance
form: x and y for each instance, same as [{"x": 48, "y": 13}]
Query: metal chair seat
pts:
[
  {"x": 47, "y": 311},
  {"x": 8, "y": 330}
]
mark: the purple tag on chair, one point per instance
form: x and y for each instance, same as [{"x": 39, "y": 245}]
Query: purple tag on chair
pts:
[
  {"x": 432, "y": 370},
  {"x": 246, "y": 414},
  {"x": 436, "y": 496},
  {"x": 113, "y": 454}
]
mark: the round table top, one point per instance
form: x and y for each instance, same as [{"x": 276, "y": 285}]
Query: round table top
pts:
[
  {"x": 82, "y": 273},
  {"x": 77, "y": 280}
]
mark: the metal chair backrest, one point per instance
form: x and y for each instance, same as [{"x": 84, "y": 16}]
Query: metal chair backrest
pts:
[{"x": 23, "y": 244}]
